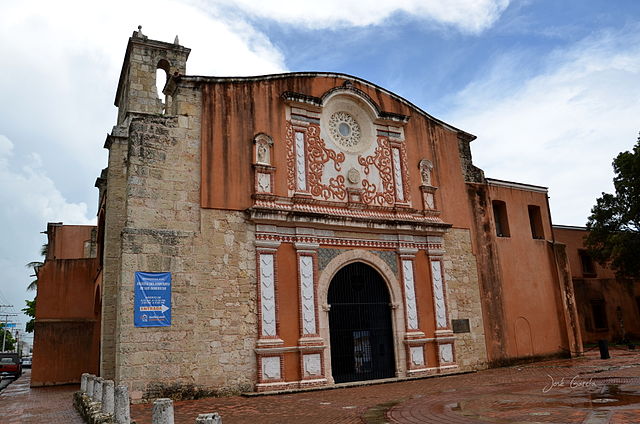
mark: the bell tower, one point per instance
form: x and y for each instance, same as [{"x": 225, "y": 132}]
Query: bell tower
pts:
[{"x": 137, "y": 85}]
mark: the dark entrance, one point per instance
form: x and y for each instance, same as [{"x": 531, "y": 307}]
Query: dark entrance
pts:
[{"x": 360, "y": 325}]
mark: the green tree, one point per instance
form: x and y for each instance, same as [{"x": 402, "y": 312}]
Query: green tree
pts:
[
  {"x": 30, "y": 311},
  {"x": 9, "y": 341},
  {"x": 614, "y": 224}
]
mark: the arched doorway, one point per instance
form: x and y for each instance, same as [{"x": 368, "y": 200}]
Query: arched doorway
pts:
[{"x": 360, "y": 325}]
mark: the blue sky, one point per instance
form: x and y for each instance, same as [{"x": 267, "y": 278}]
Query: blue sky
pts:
[{"x": 551, "y": 89}]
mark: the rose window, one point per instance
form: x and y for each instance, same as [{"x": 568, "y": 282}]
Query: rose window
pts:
[{"x": 344, "y": 129}]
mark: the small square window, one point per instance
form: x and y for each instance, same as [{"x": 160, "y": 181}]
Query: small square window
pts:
[{"x": 500, "y": 218}]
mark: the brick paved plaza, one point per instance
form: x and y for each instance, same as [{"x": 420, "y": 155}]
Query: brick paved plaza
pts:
[{"x": 585, "y": 390}]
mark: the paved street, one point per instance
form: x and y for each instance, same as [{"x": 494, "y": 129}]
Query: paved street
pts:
[
  {"x": 20, "y": 404},
  {"x": 586, "y": 390}
]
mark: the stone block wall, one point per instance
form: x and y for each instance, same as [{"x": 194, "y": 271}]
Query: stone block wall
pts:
[
  {"x": 463, "y": 295},
  {"x": 210, "y": 253}
]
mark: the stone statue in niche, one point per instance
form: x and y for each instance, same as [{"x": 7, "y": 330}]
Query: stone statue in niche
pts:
[
  {"x": 426, "y": 167},
  {"x": 263, "y": 149}
]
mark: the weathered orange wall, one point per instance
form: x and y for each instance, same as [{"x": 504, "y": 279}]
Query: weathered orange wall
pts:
[
  {"x": 67, "y": 323},
  {"x": 616, "y": 293},
  {"x": 574, "y": 240},
  {"x": 234, "y": 112},
  {"x": 530, "y": 294},
  {"x": 67, "y": 241}
]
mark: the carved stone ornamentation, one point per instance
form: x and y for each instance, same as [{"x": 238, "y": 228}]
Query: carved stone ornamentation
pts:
[
  {"x": 318, "y": 156},
  {"x": 410, "y": 294},
  {"x": 397, "y": 174},
  {"x": 263, "y": 144},
  {"x": 312, "y": 365},
  {"x": 438, "y": 294},
  {"x": 426, "y": 167},
  {"x": 300, "y": 162},
  {"x": 307, "y": 300},
  {"x": 417, "y": 355},
  {"x": 264, "y": 183},
  {"x": 267, "y": 295},
  {"x": 446, "y": 353},
  {"x": 381, "y": 161},
  {"x": 344, "y": 130},
  {"x": 271, "y": 368}
]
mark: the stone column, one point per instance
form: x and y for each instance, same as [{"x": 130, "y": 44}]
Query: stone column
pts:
[
  {"x": 107, "y": 397},
  {"x": 83, "y": 382},
  {"x": 213, "y": 418},
  {"x": 91, "y": 380},
  {"x": 162, "y": 412},
  {"x": 97, "y": 389},
  {"x": 122, "y": 415}
]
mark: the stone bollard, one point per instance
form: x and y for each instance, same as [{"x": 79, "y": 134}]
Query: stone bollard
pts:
[
  {"x": 162, "y": 411},
  {"x": 83, "y": 382},
  {"x": 97, "y": 389},
  {"x": 107, "y": 397},
  {"x": 91, "y": 385},
  {"x": 122, "y": 414},
  {"x": 212, "y": 418}
]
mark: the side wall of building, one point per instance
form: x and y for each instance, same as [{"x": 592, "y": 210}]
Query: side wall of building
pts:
[
  {"x": 609, "y": 307},
  {"x": 66, "y": 341}
]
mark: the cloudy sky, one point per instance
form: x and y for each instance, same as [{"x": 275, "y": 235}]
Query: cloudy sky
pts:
[{"x": 551, "y": 89}]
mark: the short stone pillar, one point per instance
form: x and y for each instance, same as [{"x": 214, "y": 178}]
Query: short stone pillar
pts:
[
  {"x": 91, "y": 384},
  {"x": 162, "y": 412},
  {"x": 122, "y": 414},
  {"x": 212, "y": 418},
  {"x": 97, "y": 389},
  {"x": 107, "y": 397},
  {"x": 83, "y": 382}
]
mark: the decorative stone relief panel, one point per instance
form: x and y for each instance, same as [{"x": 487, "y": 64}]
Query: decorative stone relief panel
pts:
[
  {"x": 264, "y": 183},
  {"x": 438, "y": 294},
  {"x": 410, "y": 294},
  {"x": 301, "y": 167},
  {"x": 446, "y": 353},
  {"x": 312, "y": 365},
  {"x": 417, "y": 355},
  {"x": 307, "y": 298},
  {"x": 397, "y": 174},
  {"x": 267, "y": 295},
  {"x": 271, "y": 368},
  {"x": 325, "y": 256}
]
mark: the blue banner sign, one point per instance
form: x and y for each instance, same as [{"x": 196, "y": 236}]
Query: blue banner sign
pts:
[
  {"x": 11, "y": 325},
  {"x": 152, "y": 301}
]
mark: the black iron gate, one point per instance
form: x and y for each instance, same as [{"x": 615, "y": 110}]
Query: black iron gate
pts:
[{"x": 360, "y": 325}]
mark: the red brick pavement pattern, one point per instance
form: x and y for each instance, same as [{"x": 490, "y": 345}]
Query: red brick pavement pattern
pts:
[
  {"x": 503, "y": 395},
  {"x": 20, "y": 404}
]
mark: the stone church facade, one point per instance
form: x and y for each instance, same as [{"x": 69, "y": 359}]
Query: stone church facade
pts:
[{"x": 319, "y": 229}]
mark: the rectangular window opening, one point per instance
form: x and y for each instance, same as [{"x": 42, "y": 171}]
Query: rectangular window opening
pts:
[
  {"x": 500, "y": 218},
  {"x": 588, "y": 268},
  {"x": 535, "y": 220}
]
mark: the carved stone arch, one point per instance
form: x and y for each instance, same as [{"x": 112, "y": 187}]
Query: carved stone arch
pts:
[
  {"x": 348, "y": 90},
  {"x": 395, "y": 294}
]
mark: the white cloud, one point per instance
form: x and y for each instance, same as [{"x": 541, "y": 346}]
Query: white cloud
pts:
[
  {"x": 471, "y": 16},
  {"x": 28, "y": 200},
  {"x": 562, "y": 126},
  {"x": 29, "y": 196}
]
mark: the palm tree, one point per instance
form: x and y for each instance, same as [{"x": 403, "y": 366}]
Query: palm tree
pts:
[{"x": 35, "y": 265}]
